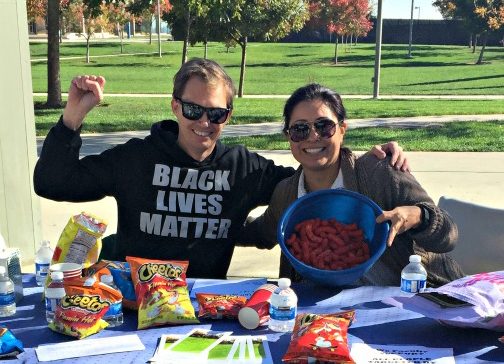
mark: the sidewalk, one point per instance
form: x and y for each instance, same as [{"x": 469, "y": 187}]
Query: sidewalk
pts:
[{"x": 470, "y": 176}]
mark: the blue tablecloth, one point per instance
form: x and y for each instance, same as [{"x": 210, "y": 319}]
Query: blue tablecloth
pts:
[{"x": 377, "y": 323}]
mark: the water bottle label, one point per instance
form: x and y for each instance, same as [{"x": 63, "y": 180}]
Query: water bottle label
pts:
[
  {"x": 6, "y": 299},
  {"x": 52, "y": 304},
  {"x": 114, "y": 309},
  {"x": 282, "y": 313},
  {"x": 412, "y": 286},
  {"x": 42, "y": 269}
]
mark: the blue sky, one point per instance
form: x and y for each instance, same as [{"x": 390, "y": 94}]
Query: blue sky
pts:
[{"x": 401, "y": 9}]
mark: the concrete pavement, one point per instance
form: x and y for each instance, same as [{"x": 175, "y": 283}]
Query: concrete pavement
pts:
[{"x": 470, "y": 176}]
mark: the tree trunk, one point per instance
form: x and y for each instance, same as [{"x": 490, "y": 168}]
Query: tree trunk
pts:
[
  {"x": 186, "y": 37},
  {"x": 150, "y": 31},
  {"x": 356, "y": 37},
  {"x": 53, "y": 67},
  {"x": 475, "y": 43},
  {"x": 87, "y": 47},
  {"x": 242, "y": 69},
  {"x": 336, "y": 49},
  {"x": 206, "y": 48},
  {"x": 132, "y": 25},
  {"x": 122, "y": 36},
  {"x": 485, "y": 39},
  {"x": 470, "y": 40},
  {"x": 351, "y": 41}
]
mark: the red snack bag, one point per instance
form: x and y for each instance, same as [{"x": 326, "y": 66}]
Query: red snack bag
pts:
[
  {"x": 216, "y": 306},
  {"x": 320, "y": 337},
  {"x": 161, "y": 292},
  {"x": 79, "y": 313}
]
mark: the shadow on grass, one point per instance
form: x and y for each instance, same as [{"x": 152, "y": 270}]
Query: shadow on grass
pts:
[
  {"x": 246, "y": 119},
  {"x": 455, "y": 80},
  {"x": 131, "y": 64}
]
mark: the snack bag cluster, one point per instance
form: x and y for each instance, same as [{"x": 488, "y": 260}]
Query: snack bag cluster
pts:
[
  {"x": 121, "y": 273},
  {"x": 80, "y": 312},
  {"x": 320, "y": 337},
  {"x": 215, "y": 306},
  {"x": 161, "y": 292}
]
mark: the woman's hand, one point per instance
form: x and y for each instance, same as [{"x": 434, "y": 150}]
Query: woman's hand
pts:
[
  {"x": 398, "y": 160},
  {"x": 402, "y": 218}
]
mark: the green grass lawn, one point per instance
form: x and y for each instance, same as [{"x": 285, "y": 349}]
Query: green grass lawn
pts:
[
  {"x": 450, "y": 137},
  {"x": 129, "y": 113},
  {"x": 280, "y": 68}
]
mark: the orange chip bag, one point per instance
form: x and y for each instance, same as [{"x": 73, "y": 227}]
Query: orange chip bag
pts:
[
  {"x": 79, "y": 313},
  {"x": 320, "y": 337},
  {"x": 216, "y": 306},
  {"x": 97, "y": 270},
  {"x": 161, "y": 292}
]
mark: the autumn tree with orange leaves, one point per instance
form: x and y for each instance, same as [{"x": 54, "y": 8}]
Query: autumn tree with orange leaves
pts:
[{"x": 342, "y": 17}]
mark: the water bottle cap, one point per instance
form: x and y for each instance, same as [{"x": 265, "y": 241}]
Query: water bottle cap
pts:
[
  {"x": 45, "y": 243},
  {"x": 107, "y": 278},
  {"x": 284, "y": 282},
  {"x": 2, "y": 270},
  {"x": 415, "y": 258},
  {"x": 57, "y": 276}
]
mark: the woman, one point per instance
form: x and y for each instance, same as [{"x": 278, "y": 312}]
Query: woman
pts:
[{"x": 315, "y": 125}]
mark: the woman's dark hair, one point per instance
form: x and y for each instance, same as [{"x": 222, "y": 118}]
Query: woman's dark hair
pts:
[{"x": 312, "y": 92}]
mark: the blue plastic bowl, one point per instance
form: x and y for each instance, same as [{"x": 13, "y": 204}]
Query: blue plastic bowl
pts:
[{"x": 346, "y": 207}]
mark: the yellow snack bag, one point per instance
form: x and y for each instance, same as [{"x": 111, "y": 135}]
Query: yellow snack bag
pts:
[
  {"x": 80, "y": 242},
  {"x": 161, "y": 292}
]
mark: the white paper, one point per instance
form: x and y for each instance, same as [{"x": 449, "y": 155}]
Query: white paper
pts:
[
  {"x": 388, "y": 354},
  {"x": 88, "y": 347},
  {"x": 363, "y": 297},
  {"x": 240, "y": 287}
]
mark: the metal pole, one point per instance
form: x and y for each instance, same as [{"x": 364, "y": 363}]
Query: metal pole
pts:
[
  {"x": 411, "y": 28},
  {"x": 418, "y": 7},
  {"x": 376, "y": 78},
  {"x": 159, "y": 27}
]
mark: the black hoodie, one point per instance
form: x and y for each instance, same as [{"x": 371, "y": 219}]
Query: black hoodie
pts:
[{"x": 170, "y": 206}]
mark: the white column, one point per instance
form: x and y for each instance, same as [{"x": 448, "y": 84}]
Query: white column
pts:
[{"x": 19, "y": 206}]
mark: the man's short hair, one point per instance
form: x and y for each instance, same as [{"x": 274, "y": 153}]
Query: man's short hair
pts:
[{"x": 207, "y": 70}]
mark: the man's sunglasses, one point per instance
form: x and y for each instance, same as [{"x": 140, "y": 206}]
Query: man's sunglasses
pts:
[
  {"x": 300, "y": 131},
  {"x": 215, "y": 115}
]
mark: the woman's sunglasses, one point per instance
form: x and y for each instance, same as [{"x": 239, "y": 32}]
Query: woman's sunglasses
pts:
[
  {"x": 215, "y": 115},
  {"x": 300, "y": 131}
]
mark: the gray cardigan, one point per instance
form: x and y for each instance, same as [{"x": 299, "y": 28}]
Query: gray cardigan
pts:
[{"x": 388, "y": 188}]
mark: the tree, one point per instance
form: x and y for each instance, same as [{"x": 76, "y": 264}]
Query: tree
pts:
[
  {"x": 481, "y": 17},
  {"x": 267, "y": 20},
  {"x": 53, "y": 69},
  {"x": 36, "y": 9},
  {"x": 148, "y": 10},
  {"x": 118, "y": 13},
  {"x": 342, "y": 17},
  {"x": 184, "y": 13}
]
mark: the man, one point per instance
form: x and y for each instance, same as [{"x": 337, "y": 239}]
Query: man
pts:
[{"x": 181, "y": 194}]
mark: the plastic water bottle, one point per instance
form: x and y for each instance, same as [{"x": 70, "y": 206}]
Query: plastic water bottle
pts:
[
  {"x": 283, "y": 307},
  {"x": 7, "y": 298},
  {"x": 413, "y": 277},
  {"x": 54, "y": 292},
  {"x": 42, "y": 261},
  {"x": 114, "y": 315}
]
